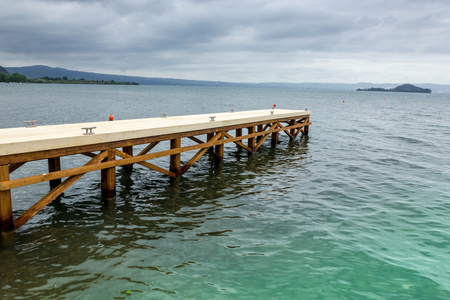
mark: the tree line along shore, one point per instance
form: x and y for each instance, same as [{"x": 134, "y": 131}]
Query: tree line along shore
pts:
[{"x": 18, "y": 78}]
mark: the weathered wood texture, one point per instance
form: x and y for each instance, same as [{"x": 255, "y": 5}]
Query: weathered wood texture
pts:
[
  {"x": 128, "y": 150},
  {"x": 33, "y": 210},
  {"x": 6, "y": 212},
  {"x": 218, "y": 154},
  {"x": 108, "y": 180},
  {"x": 175, "y": 159},
  {"x": 54, "y": 164}
]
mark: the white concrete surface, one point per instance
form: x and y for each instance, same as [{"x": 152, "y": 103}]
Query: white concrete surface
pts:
[{"x": 23, "y": 139}]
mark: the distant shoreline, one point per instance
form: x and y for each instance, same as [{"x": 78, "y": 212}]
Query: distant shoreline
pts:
[
  {"x": 406, "y": 88},
  {"x": 19, "y": 78},
  {"x": 78, "y": 81}
]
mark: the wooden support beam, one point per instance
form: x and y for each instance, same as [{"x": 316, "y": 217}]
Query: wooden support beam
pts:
[
  {"x": 55, "y": 193},
  {"x": 239, "y": 143},
  {"x": 209, "y": 136},
  {"x": 89, "y": 154},
  {"x": 146, "y": 164},
  {"x": 13, "y": 167},
  {"x": 218, "y": 154},
  {"x": 197, "y": 140},
  {"x": 259, "y": 128},
  {"x": 238, "y": 134},
  {"x": 287, "y": 131},
  {"x": 298, "y": 131},
  {"x": 54, "y": 164},
  {"x": 175, "y": 159},
  {"x": 197, "y": 155},
  {"x": 275, "y": 135},
  {"x": 264, "y": 137},
  {"x": 292, "y": 130},
  {"x": 108, "y": 177},
  {"x": 128, "y": 150},
  {"x": 251, "y": 140},
  {"x": 6, "y": 213},
  {"x": 148, "y": 148},
  {"x": 306, "y": 128}
]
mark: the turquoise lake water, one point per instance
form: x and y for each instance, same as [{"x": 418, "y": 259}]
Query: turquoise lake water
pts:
[{"x": 360, "y": 209}]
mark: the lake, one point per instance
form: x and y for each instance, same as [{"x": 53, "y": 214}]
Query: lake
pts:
[{"x": 359, "y": 209}]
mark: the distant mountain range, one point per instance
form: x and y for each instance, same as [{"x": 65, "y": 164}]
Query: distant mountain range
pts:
[
  {"x": 40, "y": 71},
  {"x": 3, "y": 70}
]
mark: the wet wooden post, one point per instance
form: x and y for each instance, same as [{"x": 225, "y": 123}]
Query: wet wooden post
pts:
[
  {"x": 292, "y": 131},
  {"x": 6, "y": 213},
  {"x": 259, "y": 128},
  {"x": 109, "y": 178},
  {"x": 208, "y": 137},
  {"x": 219, "y": 149},
  {"x": 306, "y": 128},
  {"x": 54, "y": 164},
  {"x": 251, "y": 141},
  {"x": 238, "y": 132},
  {"x": 274, "y": 139},
  {"x": 128, "y": 150},
  {"x": 175, "y": 159}
]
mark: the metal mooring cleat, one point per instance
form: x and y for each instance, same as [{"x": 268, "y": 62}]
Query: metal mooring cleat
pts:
[
  {"x": 88, "y": 130},
  {"x": 30, "y": 123}
]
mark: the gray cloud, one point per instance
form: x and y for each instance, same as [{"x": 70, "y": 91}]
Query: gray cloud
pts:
[{"x": 246, "y": 40}]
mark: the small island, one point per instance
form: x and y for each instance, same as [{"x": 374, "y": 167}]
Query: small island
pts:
[{"x": 405, "y": 88}]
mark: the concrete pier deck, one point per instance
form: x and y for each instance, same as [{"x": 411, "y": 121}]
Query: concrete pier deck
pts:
[{"x": 31, "y": 139}]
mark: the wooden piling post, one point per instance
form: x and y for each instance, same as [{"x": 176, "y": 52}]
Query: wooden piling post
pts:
[
  {"x": 219, "y": 149},
  {"x": 306, "y": 128},
  {"x": 274, "y": 139},
  {"x": 109, "y": 178},
  {"x": 6, "y": 213},
  {"x": 208, "y": 137},
  {"x": 238, "y": 133},
  {"x": 292, "y": 131},
  {"x": 259, "y": 128},
  {"x": 251, "y": 141},
  {"x": 128, "y": 150},
  {"x": 54, "y": 164},
  {"x": 175, "y": 159}
]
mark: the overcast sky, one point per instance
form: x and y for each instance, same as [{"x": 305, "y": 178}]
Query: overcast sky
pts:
[{"x": 348, "y": 41}]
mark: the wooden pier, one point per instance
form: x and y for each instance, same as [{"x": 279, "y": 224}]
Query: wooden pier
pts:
[{"x": 110, "y": 144}]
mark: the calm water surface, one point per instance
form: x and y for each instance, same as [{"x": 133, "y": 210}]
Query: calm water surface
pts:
[{"x": 358, "y": 210}]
